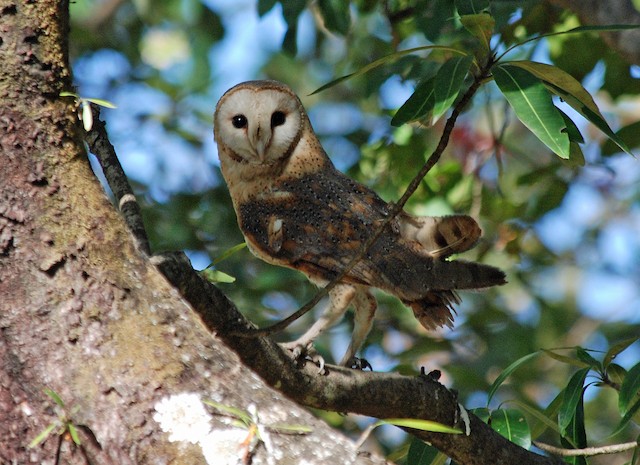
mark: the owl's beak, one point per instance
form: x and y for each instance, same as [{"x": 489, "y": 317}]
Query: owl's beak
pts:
[{"x": 260, "y": 140}]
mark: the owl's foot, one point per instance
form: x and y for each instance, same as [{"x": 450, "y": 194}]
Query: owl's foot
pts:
[
  {"x": 358, "y": 364},
  {"x": 305, "y": 353}
]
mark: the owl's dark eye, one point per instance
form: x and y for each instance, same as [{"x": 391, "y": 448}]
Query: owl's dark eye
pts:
[
  {"x": 278, "y": 118},
  {"x": 239, "y": 121}
]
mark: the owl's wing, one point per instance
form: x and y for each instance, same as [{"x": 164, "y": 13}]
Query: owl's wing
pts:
[{"x": 318, "y": 223}]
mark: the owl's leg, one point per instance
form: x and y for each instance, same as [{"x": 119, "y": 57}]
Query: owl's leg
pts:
[
  {"x": 339, "y": 299},
  {"x": 365, "y": 306}
]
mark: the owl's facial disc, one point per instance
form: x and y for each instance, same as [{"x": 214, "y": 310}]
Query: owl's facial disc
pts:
[{"x": 260, "y": 126}]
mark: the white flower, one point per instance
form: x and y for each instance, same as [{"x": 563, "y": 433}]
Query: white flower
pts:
[
  {"x": 225, "y": 447},
  {"x": 184, "y": 417}
]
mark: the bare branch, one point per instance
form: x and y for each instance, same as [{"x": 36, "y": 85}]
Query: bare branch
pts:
[
  {"x": 587, "y": 451},
  {"x": 101, "y": 147}
]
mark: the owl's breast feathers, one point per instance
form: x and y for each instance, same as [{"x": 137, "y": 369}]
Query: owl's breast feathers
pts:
[{"x": 318, "y": 222}]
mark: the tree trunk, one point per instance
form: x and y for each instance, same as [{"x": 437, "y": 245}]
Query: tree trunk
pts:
[{"x": 83, "y": 312}]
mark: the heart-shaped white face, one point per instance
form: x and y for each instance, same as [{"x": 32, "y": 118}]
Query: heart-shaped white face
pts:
[{"x": 257, "y": 122}]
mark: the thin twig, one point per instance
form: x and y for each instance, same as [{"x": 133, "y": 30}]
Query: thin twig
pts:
[
  {"x": 587, "y": 451},
  {"x": 99, "y": 145},
  {"x": 397, "y": 208}
]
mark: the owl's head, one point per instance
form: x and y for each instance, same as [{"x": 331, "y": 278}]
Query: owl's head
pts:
[{"x": 258, "y": 122}]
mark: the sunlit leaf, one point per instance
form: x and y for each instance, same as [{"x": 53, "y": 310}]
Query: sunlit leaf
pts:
[
  {"x": 532, "y": 103},
  {"x": 511, "y": 424},
  {"x": 507, "y": 372},
  {"x": 101, "y": 102},
  {"x": 231, "y": 411},
  {"x": 573, "y": 93},
  {"x": 418, "y": 105},
  {"x": 571, "y": 398},
  {"x": 43, "y": 435},
  {"x": 217, "y": 276},
  {"x": 481, "y": 26},
  {"x": 616, "y": 349},
  {"x": 73, "y": 432},
  {"x": 54, "y": 396},
  {"x": 384, "y": 60},
  {"x": 227, "y": 253},
  {"x": 290, "y": 429},
  {"x": 423, "y": 425},
  {"x": 448, "y": 82}
]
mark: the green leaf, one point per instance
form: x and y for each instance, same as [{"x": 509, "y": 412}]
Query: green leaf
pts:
[
  {"x": 336, "y": 15},
  {"x": 73, "y": 432},
  {"x": 43, "y": 435},
  {"x": 217, "y": 276},
  {"x": 481, "y": 26},
  {"x": 418, "y": 105},
  {"x": 423, "y": 425},
  {"x": 231, "y": 411},
  {"x": 483, "y": 413},
  {"x": 630, "y": 134},
  {"x": 565, "y": 359},
  {"x": 618, "y": 348},
  {"x": 629, "y": 390},
  {"x": 586, "y": 357},
  {"x": 101, "y": 102},
  {"x": 384, "y": 60},
  {"x": 421, "y": 453},
  {"x": 54, "y": 396},
  {"x": 572, "y": 130},
  {"x": 551, "y": 411},
  {"x": 448, "y": 82},
  {"x": 573, "y": 93},
  {"x": 290, "y": 429},
  {"x": 227, "y": 253},
  {"x": 511, "y": 424},
  {"x": 507, "y": 372},
  {"x": 533, "y": 105},
  {"x": 577, "y": 436},
  {"x": 571, "y": 398},
  {"x": 471, "y": 7},
  {"x": 545, "y": 418},
  {"x": 631, "y": 412}
]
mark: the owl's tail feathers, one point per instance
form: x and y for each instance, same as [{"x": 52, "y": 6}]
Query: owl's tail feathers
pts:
[{"x": 435, "y": 308}]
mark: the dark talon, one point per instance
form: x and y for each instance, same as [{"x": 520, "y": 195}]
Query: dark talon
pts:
[
  {"x": 301, "y": 355},
  {"x": 359, "y": 364}
]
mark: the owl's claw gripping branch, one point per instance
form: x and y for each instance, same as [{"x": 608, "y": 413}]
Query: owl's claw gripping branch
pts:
[{"x": 296, "y": 210}]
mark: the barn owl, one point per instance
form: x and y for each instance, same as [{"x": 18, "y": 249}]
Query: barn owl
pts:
[{"x": 296, "y": 210}]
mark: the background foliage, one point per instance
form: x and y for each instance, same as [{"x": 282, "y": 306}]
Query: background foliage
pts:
[{"x": 567, "y": 235}]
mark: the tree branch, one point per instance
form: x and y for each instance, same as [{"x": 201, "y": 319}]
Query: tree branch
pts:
[
  {"x": 587, "y": 451},
  {"x": 379, "y": 395},
  {"x": 101, "y": 147}
]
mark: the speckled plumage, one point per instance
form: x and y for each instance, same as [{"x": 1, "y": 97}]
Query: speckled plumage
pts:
[{"x": 296, "y": 210}]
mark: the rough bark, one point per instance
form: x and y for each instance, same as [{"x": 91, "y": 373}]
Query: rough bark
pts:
[{"x": 82, "y": 311}]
